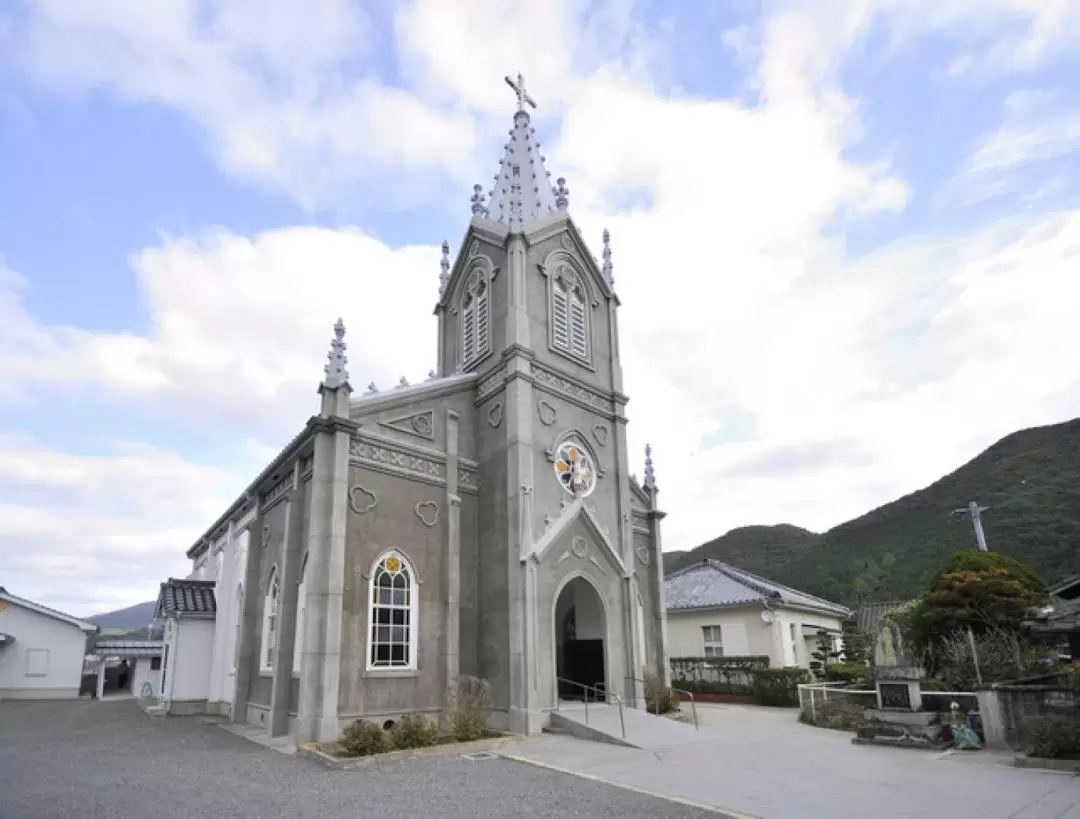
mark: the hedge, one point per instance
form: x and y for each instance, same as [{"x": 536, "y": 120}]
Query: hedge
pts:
[{"x": 779, "y": 686}]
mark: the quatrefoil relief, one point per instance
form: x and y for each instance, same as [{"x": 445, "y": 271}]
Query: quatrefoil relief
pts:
[
  {"x": 428, "y": 512},
  {"x": 361, "y": 499}
]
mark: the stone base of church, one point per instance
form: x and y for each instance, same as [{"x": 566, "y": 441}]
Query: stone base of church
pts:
[
  {"x": 186, "y": 708},
  {"x": 522, "y": 721}
]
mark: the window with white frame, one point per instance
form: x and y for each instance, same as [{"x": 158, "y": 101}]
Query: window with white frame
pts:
[
  {"x": 714, "y": 641},
  {"x": 569, "y": 318},
  {"x": 301, "y": 608},
  {"x": 270, "y": 616},
  {"x": 475, "y": 319},
  {"x": 393, "y": 606}
]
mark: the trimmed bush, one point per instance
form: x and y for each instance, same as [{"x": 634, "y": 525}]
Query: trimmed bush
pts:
[
  {"x": 414, "y": 731},
  {"x": 779, "y": 686},
  {"x": 659, "y": 699},
  {"x": 363, "y": 738},
  {"x": 845, "y": 672},
  {"x": 1054, "y": 736},
  {"x": 467, "y": 708}
]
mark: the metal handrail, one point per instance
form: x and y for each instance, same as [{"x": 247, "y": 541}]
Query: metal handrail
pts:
[
  {"x": 587, "y": 688},
  {"x": 690, "y": 694}
]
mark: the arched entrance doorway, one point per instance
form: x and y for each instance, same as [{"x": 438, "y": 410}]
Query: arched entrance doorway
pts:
[{"x": 579, "y": 640}]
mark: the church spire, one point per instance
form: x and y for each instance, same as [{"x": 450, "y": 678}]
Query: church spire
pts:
[
  {"x": 522, "y": 191},
  {"x": 336, "y": 374}
]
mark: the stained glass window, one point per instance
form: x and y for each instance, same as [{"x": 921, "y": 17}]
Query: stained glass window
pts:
[
  {"x": 575, "y": 469},
  {"x": 393, "y": 615}
]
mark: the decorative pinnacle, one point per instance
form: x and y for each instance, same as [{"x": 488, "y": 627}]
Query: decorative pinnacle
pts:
[
  {"x": 562, "y": 193},
  {"x": 444, "y": 265},
  {"x": 650, "y": 473},
  {"x": 402, "y": 382},
  {"x": 431, "y": 375},
  {"x": 336, "y": 374},
  {"x": 478, "y": 206},
  {"x": 371, "y": 388},
  {"x": 607, "y": 268}
]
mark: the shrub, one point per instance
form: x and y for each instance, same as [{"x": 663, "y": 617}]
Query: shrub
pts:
[
  {"x": 414, "y": 731},
  {"x": 845, "y": 672},
  {"x": 467, "y": 708},
  {"x": 1053, "y": 735},
  {"x": 659, "y": 699},
  {"x": 363, "y": 738},
  {"x": 779, "y": 686}
]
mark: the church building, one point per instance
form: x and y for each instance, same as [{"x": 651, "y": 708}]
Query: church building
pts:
[{"x": 484, "y": 522}]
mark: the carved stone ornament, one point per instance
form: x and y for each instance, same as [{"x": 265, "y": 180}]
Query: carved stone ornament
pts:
[
  {"x": 361, "y": 499},
  {"x": 495, "y": 414},
  {"x": 265, "y": 535},
  {"x": 642, "y": 555},
  {"x": 566, "y": 242},
  {"x": 600, "y": 433},
  {"x": 474, "y": 248},
  {"x": 428, "y": 512},
  {"x": 547, "y": 413},
  {"x": 420, "y": 424},
  {"x": 579, "y": 546}
]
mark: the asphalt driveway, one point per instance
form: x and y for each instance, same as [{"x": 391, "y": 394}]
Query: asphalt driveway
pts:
[{"x": 89, "y": 759}]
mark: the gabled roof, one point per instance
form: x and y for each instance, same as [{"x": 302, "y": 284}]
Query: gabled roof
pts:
[
  {"x": 186, "y": 598},
  {"x": 712, "y": 584},
  {"x": 86, "y": 626},
  {"x": 128, "y": 648}
]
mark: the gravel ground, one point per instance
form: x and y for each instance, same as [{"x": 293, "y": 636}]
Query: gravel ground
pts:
[{"x": 91, "y": 759}]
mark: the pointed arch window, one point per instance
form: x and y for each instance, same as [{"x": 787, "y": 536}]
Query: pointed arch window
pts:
[
  {"x": 270, "y": 620},
  {"x": 393, "y": 605},
  {"x": 301, "y": 610},
  {"x": 569, "y": 318},
  {"x": 476, "y": 319}
]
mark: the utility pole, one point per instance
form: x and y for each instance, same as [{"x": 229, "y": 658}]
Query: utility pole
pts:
[{"x": 975, "y": 511}]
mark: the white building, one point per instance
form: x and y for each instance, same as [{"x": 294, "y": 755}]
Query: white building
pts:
[
  {"x": 41, "y": 650},
  {"x": 714, "y": 609},
  {"x": 189, "y": 609}
]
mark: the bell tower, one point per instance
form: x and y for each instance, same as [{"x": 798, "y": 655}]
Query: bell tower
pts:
[{"x": 527, "y": 307}]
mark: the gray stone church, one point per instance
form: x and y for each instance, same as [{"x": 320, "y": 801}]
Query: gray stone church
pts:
[{"x": 484, "y": 522}]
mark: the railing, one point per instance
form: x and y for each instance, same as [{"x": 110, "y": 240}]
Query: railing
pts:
[
  {"x": 690, "y": 694},
  {"x": 603, "y": 695},
  {"x": 808, "y": 697}
]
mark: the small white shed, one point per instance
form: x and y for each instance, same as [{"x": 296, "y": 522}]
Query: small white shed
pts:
[
  {"x": 41, "y": 650},
  {"x": 188, "y": 608}
]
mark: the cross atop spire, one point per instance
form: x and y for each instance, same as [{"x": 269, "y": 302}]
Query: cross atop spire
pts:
[
  {"x": 336, "y": 374},
  {"x": 519, "y": 89}
]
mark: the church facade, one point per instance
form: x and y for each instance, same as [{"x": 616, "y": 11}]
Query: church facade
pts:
[{"x": 484, "y": 522}]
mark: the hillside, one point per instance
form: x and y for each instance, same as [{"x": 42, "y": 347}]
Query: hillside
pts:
[
  {"x": 1030, "y": 480},
  {"x": 129, "y": 619}
]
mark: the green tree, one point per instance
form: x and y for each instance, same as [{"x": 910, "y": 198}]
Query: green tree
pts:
[
  {"x": 856, "y": 645},
  {"x": 982, "y": 591},
  {"x": 823, "y": 654}
]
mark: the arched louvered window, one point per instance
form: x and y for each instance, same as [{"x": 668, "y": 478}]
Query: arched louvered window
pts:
[
  {"x": 476, "y": 319},
  {"x": 569, "y": 318}
]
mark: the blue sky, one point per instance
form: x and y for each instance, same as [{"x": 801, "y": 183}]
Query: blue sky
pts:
[{"x": 844, "y": 237}]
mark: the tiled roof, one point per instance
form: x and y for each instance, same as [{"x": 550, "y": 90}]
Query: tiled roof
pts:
[
  {"x": 179, "y": 598},
  {"x": 711, "y": 584},
  {"x": 129, "y": 648},
  {"x": 868, "y": 615}
]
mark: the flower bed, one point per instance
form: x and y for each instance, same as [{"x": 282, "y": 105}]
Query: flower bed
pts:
[{"x": 334, "y": 755}]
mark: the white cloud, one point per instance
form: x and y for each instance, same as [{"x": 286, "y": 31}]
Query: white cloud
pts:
[
  {"x": 868, "y": 377},
  {"x": 86, "y": 533},
  {"x": 274, "y": 86}
]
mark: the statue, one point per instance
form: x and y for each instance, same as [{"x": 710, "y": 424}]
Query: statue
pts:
[{"x": 964, "y": 738}]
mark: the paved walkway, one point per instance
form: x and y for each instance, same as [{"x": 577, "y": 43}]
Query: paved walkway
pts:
[
  {"x": 108, "y": 760},
  {"x": 642, "y": 730},
  {"x": 768, "y": 765}
]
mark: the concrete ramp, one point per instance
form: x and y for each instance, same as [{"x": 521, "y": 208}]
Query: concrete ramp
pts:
[{"x": 643, "y": 730}]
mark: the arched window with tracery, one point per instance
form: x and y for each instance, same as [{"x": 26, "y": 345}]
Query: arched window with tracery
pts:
[
  {"x": 476, "y": 319},
  {"x": 270, "y": 620},
  {"x": 393, "y": 605},
  {"x": 301, "y": 611},
  {"x": 569, "y": 317}
]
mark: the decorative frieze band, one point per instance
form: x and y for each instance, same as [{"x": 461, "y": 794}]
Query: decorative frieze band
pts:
[
  {"x": 388, "y": 459},
  {"x": 278, "y": 491},
  {"x": 492, "y": 382},
  {"x": 569, "y": 389}
]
